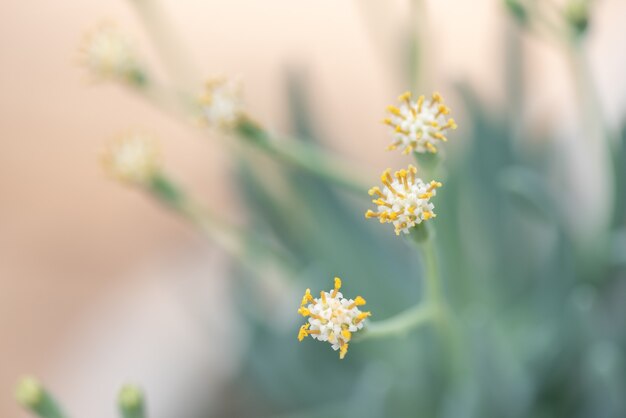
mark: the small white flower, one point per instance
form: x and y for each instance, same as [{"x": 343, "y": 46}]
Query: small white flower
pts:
[
  {"x": 221, "y": 103},
  {"x": 417, "y": 125},
  {"x": 134, "y": 158},
  {"x": 332, "y": 318},
  {"x": 108, "y": 53},
  {"x": 404, "y": 200}
]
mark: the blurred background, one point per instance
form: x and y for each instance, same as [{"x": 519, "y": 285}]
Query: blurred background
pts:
[{"x": 100, "y": 286}]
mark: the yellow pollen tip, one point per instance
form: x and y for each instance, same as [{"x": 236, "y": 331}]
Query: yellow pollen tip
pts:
[
  {"x": 337, "y": 287},
  {"x": 346, "y": 334},
  {"x": 362, "y": 316},
  {"x": 394, "y": 110},
  {"x": 371, "y": 214},
  {"x": 306, "y": 298},
  {"x": 343, "y": 350},
  {"x": 406, "y": 96},
  {"x": 304, "y": 311},
  {"x": 359, "y": 301},
  {"x": 375, "y": 191},
  {"x": 303, "y": 331}
]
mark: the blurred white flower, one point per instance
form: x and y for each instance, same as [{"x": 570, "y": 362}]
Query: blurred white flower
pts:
[
  {"x": 221, "y": 102},
  {"x": 108, "y": 53},
  {"x": 133, "y": 157},
  {"x": 332, "y": 318},
  {"x": 404, "y": 200},
  {"x": 419, "y": 125}
]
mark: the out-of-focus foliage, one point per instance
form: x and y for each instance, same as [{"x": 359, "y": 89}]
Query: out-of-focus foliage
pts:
[
  {"x": 539, "y": 314},
  {"x": 541, "y": 325}
]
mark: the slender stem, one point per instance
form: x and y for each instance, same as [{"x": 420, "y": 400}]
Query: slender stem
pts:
[
  {"x": 31, "y": 394},
  {"x": 443, "y": 320},
  {"x": 131, "y": 402},
  {"x": 301, "y": 155},
  {"x": 165, "y": 39},
  {"x": 399, "y": 324},
  {"x": 230, "y": 238}
]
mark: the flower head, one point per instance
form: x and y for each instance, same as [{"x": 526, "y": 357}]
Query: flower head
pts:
[
  {"x": 108, "y": 53},
  {"x": 221, "y": 102},
  {"x": 133, "y": 158},
  {"x": 332, "y": 318},
  {"x": 419, "y": 125},
  {"x": 404, "y": 200}
]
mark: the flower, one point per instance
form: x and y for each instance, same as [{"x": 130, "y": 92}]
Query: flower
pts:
[
  {"x": 108, "y": 53},
  {"x": 134, "y": 158},
  {"x": 332, "y": 318},
  {"x": 418, "y": 125},
  {"x": 221, "y": 102},
  {"x": 404, "y": 199}
]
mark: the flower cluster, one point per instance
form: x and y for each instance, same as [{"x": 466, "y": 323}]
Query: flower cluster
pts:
[
  {"x": 332, "y": 318},
  {"x": 221, "y": 102},
  {"x": 107, "y": 53},
  {"x": 133, "y": 158},
  {"x": 419, "y": 125},
  {"x": 404, "y": 199}
]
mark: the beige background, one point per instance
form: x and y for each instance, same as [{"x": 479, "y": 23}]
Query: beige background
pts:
[{"x": 95, "y": 280}]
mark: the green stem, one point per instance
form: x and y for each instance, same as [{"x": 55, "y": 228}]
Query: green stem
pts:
[
  {"x": 131, "y": 402},
  {"x": 32, "y": 395},
  {"x": 301, "y": 155},
  {"x": 170, "y": 50},
  {"x": 398, "y": 324},
  {"x": 442, "y": 317},
  {"x": 230, "y": 238}
]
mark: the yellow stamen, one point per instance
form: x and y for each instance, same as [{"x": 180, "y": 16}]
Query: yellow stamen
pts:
[
  {"x": 304, "y": 311},
  {"x": 381, "y": 202},
  {"x": 362, "y": 316},
  {"x": 303, "y": 331},
  {"x": 323, "y": 296},
  {"x": 343, "y": 350},
  {"x": 450, "y": 125},
  {"x": 434, "y": 185},
  {"x": 420, "y": 103},
  {"x": 337, "y": 287},
  {"x": 358, "y": 301},
  {"x": 405, "y": 97},
  {"x": 443, "y": 110},
  {"x": 346, "y": 334},
  {"x": 307, "y": 297},
  {"x": 371, "y": 214},
  {"x": 394, "y": 110},
  {"x": 375, "y": 191}
]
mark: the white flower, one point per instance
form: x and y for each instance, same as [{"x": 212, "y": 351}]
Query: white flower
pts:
[
  {"x": 108, "y": 53},
  {"x": 221, "y": 103},
  {"x": 133, "y": 157},
  {"x": 404, "y": 200},
  {"x": 417, "y": 125},
  {"x": 332, "y": 318}
]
